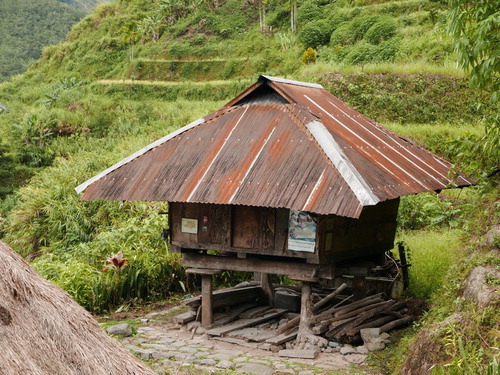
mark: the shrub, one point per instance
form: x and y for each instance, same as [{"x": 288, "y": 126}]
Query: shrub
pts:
[
  {"x": 361, "y": 54},
  {"x": 309, "y": 56},
  {"x": 342, "y": 35},
  {"x": 361, "y": 24},
  {"x": 178, "y": 49},
  {"x": 227, "y": 25},
  {"x": 7, "y": 167},
  {"x": 231, "y": 68},
  {"x": 336, "y": 19},
  {"x": 315, "y": 34},
  {"x": 308, "y": 12},
  {"x": 383, "y": 29},
  {"x": 428, "y": 210},
  {"x": 34, "y": 135},
  {"x": 387, "y": 50}
]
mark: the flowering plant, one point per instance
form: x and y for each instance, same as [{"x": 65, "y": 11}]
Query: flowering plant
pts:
[{"x": 115, "y": 262}]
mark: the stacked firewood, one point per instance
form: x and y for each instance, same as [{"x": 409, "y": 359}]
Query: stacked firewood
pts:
[
  {"x": 343, "y": 324},
  {"x": 342, "y": 321},
  {"x": 335, "y": 316}
]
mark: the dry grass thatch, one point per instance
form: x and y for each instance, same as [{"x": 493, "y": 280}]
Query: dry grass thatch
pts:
[{"x": 43, "y": 331}]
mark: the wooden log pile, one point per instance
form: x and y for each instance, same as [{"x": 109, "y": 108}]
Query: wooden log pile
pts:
[
  {"x": 335, "y": 316},
  {"x": 342, "y": 322}
]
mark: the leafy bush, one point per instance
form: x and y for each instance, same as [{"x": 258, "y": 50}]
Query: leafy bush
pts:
[
  {"x": 226, "y": 26},
  {"x": 363, "y": 53},
  {"x": 309, "y": 56},
  {"x": 230, "y": 69},
  {"x": 426, "y": 210},
  {"x": 315, "y": 34},
  {"x": 7, "y": 170},
  {"x": 336, "y": 18},
  {"x": 388, "y": 50},
  {"x": 342, "y": 35},
  {"x": 381, "y": 30},
  {"x": 34, "y": 135},
  {"x": 308, "y": 11},
  {"x": 361, "y": 24},
  {"x": 152, "y": 271}
]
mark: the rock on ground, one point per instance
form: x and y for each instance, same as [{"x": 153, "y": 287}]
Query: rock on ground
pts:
[
  {"x": 428, "y": 350},
  {"x": 477, "y": 289},
  {"x": 122, "y": 329},
  {"x": 255, "y": 368},
  {"x": 492, "y": 238}
]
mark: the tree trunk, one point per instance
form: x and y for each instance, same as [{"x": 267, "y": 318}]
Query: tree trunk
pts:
[{"x": 293, "y": 15}]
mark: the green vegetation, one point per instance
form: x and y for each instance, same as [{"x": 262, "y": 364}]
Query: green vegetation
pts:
[
  {"x": 133, "y": 71},
  {"x": 29, "y": 25},
  {"x": 435, "y": 254},
  {"x": 86, "y": 5}
]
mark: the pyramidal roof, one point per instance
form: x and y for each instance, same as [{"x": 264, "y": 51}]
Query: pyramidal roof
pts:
[{"x": 280, "y": 143}]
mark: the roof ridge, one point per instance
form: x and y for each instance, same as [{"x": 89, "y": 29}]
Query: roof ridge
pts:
[
  {"x": 292, "y": 82},
  {"x": 344, "y": 167},
  {"x": 330, "y": 148}
]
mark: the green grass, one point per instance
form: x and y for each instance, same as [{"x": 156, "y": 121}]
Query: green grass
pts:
[
  {"x": 313, "y": 72},
  {"x": 436, "y": 137},
  {"x": 424, "y": 132},
  {"x": 431, "y": 254},
  {"x": 168, "y": 83},
  {"x": 133, "y": 323}
]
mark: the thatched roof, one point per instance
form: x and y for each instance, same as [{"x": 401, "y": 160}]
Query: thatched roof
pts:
[{"x": 44, "y": 331}]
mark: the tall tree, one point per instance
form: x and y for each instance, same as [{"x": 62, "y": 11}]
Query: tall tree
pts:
[{"x": 475, "y": 26}]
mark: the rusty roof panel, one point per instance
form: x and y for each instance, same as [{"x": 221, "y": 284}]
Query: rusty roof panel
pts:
[
  {"x": 413, "y": 167},
  {"x": 296, "y": 146}
]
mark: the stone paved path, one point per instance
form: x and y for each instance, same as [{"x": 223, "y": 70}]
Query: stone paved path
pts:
[{"x": 170, "y": 349}]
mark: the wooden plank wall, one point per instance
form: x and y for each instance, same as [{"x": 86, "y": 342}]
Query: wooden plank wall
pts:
[
  {"x": 261, "y": 230},
  {"x": 373, "y": 232}
]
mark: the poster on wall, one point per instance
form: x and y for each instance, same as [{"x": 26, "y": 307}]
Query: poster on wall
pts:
[
  {"x": 301, "y": 231},
  {"x": 189, "y": 225}
]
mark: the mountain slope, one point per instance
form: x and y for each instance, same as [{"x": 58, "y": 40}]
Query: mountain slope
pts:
[
  {"x": 27, "y": 26},
  {"x": 86, "y": 5}
]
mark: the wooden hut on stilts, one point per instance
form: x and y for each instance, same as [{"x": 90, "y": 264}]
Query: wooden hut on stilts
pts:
[{"x": 284, "y": 179}]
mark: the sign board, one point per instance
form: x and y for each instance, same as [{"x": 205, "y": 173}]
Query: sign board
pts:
[
  {"x": 301, "y": 231},
  {"x": 189, "y": 225}
]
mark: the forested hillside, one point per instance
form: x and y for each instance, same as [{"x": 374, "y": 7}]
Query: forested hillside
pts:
[
  {"x": 86, "y": 5},
  {"x": 29, "y": 25},
  {"x": 132, "y": 71}
]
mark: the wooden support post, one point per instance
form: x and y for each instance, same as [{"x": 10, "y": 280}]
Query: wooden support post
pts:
[
  {"x": 206, "y": 300},
  {"x": 206, "y": 294},
  {"x": 305, "y": 310},
  {"x": 404, "y": 266},
  {"x": 267, "y": 287},
  {"x": 359, "y": 287}
]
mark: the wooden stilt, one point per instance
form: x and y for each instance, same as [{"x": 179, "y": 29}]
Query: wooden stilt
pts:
[
  {"x": 206, "y": 300},
  {"x": 359, "y": 287},
  {"x": 267, "y": 287},
  {"x": 206, "y": 294},
  {"x": 305, "y": 310}
]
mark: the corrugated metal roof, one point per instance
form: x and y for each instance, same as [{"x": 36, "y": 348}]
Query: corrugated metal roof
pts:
[{"x": 304, "y": 149}]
